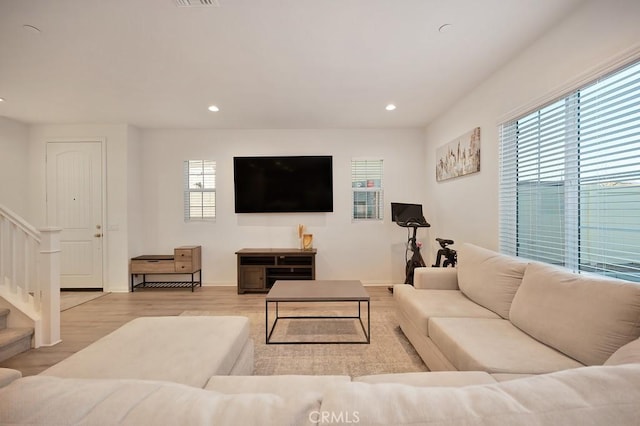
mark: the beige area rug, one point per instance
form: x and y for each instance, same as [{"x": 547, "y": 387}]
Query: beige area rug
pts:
[
  {"x": 389, "y": 351},
  {"x": 70, "y": 299}
]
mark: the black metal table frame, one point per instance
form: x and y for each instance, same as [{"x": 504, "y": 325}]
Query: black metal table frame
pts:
[
  {"x": 269, "y": 332},
  {"x": 167, "y": 284}
]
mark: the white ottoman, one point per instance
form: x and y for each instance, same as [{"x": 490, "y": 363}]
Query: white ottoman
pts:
[{"x": 183, "y": 349}]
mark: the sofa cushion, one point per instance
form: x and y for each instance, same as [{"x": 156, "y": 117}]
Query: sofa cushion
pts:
[
  {"x": 40, "y": 400},
  {"x": 586, "y": 317},
  {"x": 286, "y": 386},
  {"x": 424, "y": 346},
  {"x": 435, "y": 278},
  {"x": 494, "y": 346},
  {"x": 182, "y": 349},
  {"x": 431, "y": 378},
  {"x": 488, "y": 278},
  {"x": 629, "y": 353},
  {"x": 502, "y": 377},
  {"x": 420, "y": 305},
  {"x": 584, "y": 396}
]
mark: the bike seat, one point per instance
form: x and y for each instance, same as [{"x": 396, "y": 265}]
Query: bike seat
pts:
[{"x": 444, "y": 242}]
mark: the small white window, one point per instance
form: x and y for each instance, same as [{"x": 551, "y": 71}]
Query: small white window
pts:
[
  {"x": 199, "y": 190},
  {"x": 366, "y": 183}
]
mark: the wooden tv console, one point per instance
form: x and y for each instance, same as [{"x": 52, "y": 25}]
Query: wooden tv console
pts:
[
  {"x": 259, "y": 269},
  {"x": 186, "y": 260}
]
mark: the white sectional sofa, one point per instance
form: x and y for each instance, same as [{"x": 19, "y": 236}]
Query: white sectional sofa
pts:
[
  {"x": 509, "y": 317},
  {"x": 542, "y": 329},
  {"x": 583, "y": 396}
]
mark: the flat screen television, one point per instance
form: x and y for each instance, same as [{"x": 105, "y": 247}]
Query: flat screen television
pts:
[{"x": 292, "y": 184}]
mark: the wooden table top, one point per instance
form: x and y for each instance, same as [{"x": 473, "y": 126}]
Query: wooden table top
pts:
[
  {"x": 154, "y": 257},
  {"x": 317, "y": 290}
]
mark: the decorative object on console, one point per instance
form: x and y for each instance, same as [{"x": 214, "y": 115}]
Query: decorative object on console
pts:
[
  {"x": 300, "y": 233},
  {"x": 459, "y": 157},
  {"x": 307, "y": 241}
]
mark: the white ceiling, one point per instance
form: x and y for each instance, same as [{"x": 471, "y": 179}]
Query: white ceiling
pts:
[{"x": 266, "y": 64}]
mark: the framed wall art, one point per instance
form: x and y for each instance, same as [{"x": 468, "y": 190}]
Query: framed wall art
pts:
[{"x": 459, "y": 157}]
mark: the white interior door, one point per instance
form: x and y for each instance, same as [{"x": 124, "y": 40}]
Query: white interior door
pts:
[{"x": 74, "y": 203}]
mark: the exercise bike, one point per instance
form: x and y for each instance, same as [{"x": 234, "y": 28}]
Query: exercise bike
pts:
[
  {"x": 450, "y": 255},
  {"x": 412, "y": 244},
  {"x": 416, "y": 260}
]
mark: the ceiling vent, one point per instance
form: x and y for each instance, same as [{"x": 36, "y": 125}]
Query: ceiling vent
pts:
[{"x": 197, "y": 3}]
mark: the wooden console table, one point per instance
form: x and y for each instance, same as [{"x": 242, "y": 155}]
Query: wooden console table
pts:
[
  {"x": 259, "y": 269},
  {"x": 186, "y": 260}
]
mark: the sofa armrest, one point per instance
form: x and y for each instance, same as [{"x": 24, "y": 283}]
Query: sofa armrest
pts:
[{"x": 435, "y": 278}]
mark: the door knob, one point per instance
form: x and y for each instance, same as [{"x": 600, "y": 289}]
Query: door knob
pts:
[{"x": 97, "y": 235}]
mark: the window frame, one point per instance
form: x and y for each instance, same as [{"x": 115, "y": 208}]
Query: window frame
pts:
[
  {"x": 369, "y": 171},
  {"x": 188, "y": 191},
  {"x": 580, "y": 152}
]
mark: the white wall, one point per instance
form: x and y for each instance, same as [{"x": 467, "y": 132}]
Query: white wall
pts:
[
  {"x": 144, "y": 197},
  {"x": 371, "y": 252},
  {"x": 595, "y": 36},
  {"x": 14, "y": 161},
  {"x": 134, "y": 192},
  {"x": 116, "y": 221}
]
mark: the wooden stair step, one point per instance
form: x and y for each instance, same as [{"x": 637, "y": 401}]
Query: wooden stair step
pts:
[{"x": 14, "y": 341}]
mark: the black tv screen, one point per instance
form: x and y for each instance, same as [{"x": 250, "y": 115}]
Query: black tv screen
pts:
[{"x": 293, "y": 184}]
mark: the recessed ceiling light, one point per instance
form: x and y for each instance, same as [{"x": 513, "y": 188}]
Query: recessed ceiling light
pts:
[
  {"x": 444, "y": 28},
  {"x": 213, "y": 108},
  {"x": 1, "y": 99},
  {"x": 390, "y": 107}
]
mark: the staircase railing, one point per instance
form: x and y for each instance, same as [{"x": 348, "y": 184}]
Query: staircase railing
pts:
[{"x": 30, "y": 274}]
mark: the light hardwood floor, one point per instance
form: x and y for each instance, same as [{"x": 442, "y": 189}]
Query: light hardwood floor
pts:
[{"x": 86, "y": 323}]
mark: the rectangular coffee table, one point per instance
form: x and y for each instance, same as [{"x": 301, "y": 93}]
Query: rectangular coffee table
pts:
[{"x": 317, "y": 291}]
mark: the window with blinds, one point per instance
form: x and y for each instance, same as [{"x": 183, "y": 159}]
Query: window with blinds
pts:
[
  {"x": 366, "y": 183},
  {"x": 570, "y": 179},
  {"x": 199, "y": 190}
]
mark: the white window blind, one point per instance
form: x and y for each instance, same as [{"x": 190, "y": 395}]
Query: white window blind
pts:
[
  {"x": 199, "y": 190},
  {"x": 366, "y": 183},
  {"x": 570, "y": 179}
]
